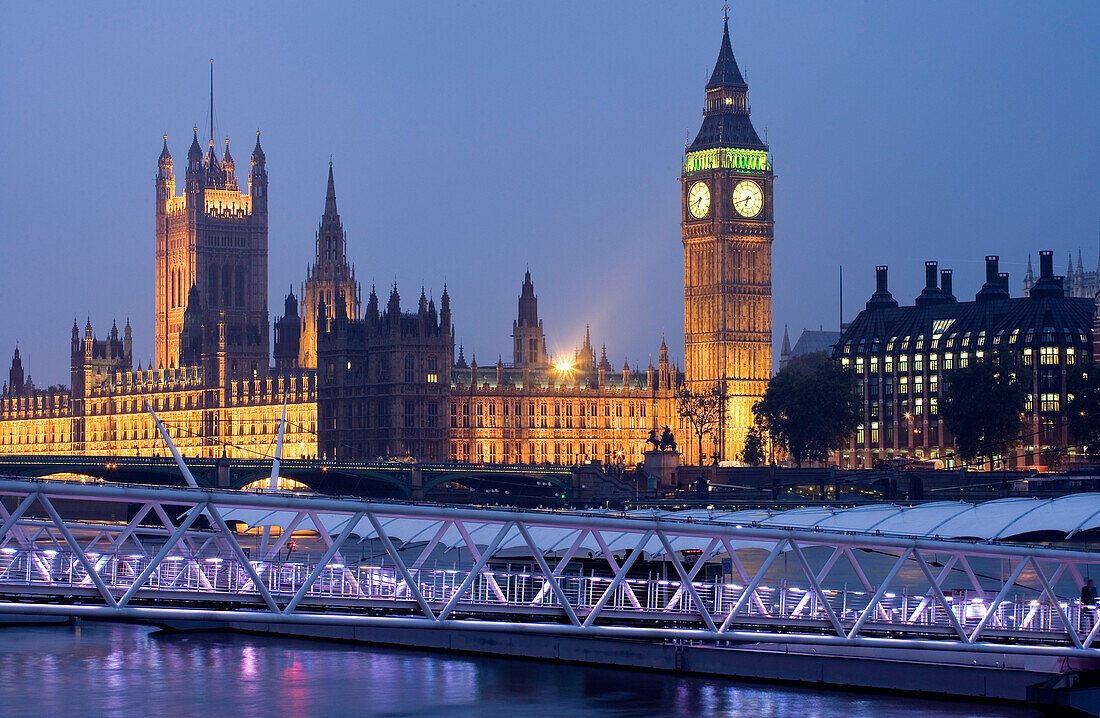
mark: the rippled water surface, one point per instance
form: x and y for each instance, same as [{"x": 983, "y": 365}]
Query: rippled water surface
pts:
[{"x": 104, "y": 669}]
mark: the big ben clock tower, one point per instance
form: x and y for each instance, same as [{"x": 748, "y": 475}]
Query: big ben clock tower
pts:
[{"x": 726, "y": 222}]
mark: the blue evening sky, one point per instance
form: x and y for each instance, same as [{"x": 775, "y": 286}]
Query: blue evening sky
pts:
[{"x": 471, "y": 139}]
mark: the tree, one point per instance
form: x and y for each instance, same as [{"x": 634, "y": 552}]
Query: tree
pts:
[
  {"x": 1083, "y": 408},
  {"x": 810, "y": 407},
  {"x": 983, "y": 404},
  {"x": 702, "y": 411},
  {"x": 753, "y": 454}
]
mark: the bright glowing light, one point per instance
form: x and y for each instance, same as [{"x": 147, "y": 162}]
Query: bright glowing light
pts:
[{"x": 564, "y": 366}]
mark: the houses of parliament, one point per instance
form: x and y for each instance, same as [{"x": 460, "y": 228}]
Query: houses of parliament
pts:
[{"x": 363, "y": 379}]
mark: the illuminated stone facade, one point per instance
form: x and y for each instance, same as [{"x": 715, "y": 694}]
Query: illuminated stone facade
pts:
[
  {"x": 727, "y": 234},
  {"x": 577, "y": 410},
  {"x": 104, "y": 413},
  {"x": 213, "y": 387},
  {"x": 214, "y": 238},
  {"x": 369, "y": 382},
  {"x": 327, "y": 279}
]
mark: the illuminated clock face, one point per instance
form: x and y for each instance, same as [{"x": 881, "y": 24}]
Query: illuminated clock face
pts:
[
  {"x": 747, "y": 198},
  {"x": 699, "y": 200}
]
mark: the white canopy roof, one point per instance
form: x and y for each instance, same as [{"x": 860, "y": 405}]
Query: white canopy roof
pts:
[{"x": 998, "y": 519}]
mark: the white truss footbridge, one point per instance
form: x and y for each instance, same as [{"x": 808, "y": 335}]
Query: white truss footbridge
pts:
[{"x": 182, "y": 556}]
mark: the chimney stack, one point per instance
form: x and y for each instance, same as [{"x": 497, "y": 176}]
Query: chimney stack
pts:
[
  {"x": 1047, "y": 285},
  {"x": 930, "y": 275},
  {"x": 931, "y": 293},
  {"x": 881, "y": 299},
  {"x": 991, "y": 261},
  {"x": 993, "y": 287},
  {"x": 945, "y": 284}
]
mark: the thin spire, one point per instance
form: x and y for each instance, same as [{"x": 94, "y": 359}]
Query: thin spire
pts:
[
  {"x": 330, "y": 196},
  {"x": 726, "y": 71},
  {"x": 211, "y": 102}
]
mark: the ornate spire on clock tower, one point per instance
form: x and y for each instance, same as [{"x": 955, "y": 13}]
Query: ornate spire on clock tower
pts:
[{"x": 726, "y": 196}]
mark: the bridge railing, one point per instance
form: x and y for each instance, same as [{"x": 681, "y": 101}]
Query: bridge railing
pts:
[
  {"x": 177, "y": 556},
  {"x": 1021, "y": 615}
]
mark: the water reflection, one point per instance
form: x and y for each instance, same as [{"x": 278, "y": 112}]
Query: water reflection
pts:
[{"x": 120, "y": 670}]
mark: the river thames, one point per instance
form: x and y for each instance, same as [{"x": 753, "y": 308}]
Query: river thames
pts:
[{"x": 108, "y": 669}]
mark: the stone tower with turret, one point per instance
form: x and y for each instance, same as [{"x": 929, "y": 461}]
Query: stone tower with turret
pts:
[
  {"x": 528, "y": 339},
  {"x": 329, "y": 277},
  {"x": 213, "y": 237},
  {"x": 727, "y": 218}
]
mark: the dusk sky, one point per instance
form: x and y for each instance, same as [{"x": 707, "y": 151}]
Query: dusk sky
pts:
[{"x": 471, "y": 140}]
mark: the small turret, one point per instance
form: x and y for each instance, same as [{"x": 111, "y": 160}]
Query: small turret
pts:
[
  {"x": 257, "y": 178},
  {"x": 164, "y": 162},
  {"x": 215, "y": 175},
  {"x": 372, "y": 305},
  {"x": 662, "y": 366},
  {"x": 433, "y": 317},
  {"x": 194, "y": 153},
  {"x": 393, "y": 306},
  {"x": 229, "y": 169},
  {"x": 288, "y": 335},
  {"x": 194, "y": 164},
  {"x": 445, "y": 310},
  {"x": 15, "y": 375},
  {"x": 586, "y": 357}
]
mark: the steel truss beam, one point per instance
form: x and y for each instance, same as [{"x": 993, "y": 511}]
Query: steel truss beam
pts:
[{"x": 213, "y": 566}]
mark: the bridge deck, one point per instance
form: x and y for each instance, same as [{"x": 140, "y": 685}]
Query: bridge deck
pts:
[{"x": 177, "y": 558}]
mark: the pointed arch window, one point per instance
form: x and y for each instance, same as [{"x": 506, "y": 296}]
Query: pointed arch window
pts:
[
  {"x": 212, "y": 285},
  {"x": 227, "y": 286},
  {"x": 239, "y": 286}
]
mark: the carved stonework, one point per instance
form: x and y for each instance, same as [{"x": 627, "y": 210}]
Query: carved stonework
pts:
[{"x": 727, "y": 263}]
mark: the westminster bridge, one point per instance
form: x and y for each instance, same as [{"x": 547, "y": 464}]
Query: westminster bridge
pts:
[{"x": 539, "y": 484}]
